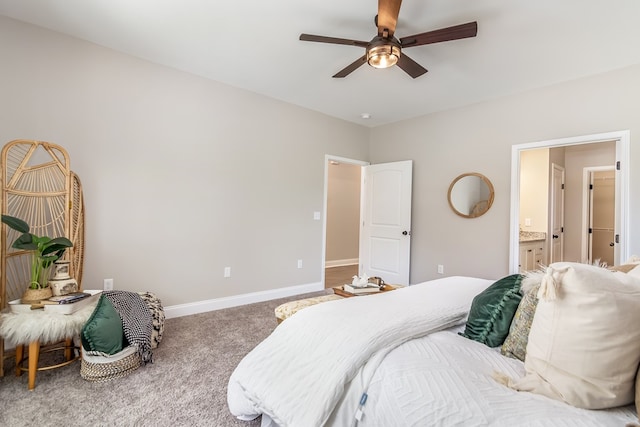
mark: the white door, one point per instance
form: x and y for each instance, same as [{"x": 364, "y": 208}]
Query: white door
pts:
[
  {"x": 557, "y": 214},
  {"x": 385, "y": 237},
  {"x": 602, "y": 193}
]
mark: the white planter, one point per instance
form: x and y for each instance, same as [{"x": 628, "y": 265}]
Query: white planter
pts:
[{"x": 62, "y": 283}]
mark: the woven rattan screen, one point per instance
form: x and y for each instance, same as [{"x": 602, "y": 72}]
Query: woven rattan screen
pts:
[
  {"x": 38, "y": 187},
  {"x": 76, "y": 233}
]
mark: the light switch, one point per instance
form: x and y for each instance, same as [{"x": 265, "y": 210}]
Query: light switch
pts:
[{"x": 316, "y": 216}]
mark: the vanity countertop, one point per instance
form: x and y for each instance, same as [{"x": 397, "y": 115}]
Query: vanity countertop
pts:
[{"x": 532, "y": 236}]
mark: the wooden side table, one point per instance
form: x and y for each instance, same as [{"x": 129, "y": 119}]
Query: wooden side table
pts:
[
  {"x": 31, "y": 328},
  {"x": 385, "y": 288}
]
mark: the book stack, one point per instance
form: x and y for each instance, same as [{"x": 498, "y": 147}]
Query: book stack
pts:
[
  {"x": 368, "y": 289},
  {"x": 66, "y": 299}
]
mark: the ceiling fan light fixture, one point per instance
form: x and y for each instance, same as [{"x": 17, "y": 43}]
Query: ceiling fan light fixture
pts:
[{"x": 383, "y": 55}]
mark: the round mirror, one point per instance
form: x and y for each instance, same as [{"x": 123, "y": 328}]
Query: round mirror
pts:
[{"x": 470, "y": 195}]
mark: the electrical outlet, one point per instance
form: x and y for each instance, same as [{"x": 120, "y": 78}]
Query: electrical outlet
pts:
[
  {"x": 227, "y": 272},
  {"x": 440, "y": 269},
  {"x": 299, "y": 263},
  {"x": 108, "y": 284}
]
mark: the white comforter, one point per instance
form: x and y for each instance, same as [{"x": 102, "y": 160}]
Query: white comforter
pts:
[
  {"x": 444, "y": 380},
  {"x": 298, "y": 374},
  {"x": 315, "y": 367}
]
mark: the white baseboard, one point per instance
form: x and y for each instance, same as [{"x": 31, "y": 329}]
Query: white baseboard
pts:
[
  {"x": 237, "y": 300},
  {"x": 341, "y": 262}
]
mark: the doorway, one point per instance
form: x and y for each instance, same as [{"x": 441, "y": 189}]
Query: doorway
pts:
[
  {"x": 600, "y": 207},
  {"x": 380, "y": 226},
  {"x": 342, "y": 220},
  {"x": 620, "y": 141}
]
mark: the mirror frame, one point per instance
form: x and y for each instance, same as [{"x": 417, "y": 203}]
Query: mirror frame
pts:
[{"x": 488, "y": 184}]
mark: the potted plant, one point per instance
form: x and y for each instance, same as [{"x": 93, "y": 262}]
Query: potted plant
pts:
[{"x": 45, "y": 251}]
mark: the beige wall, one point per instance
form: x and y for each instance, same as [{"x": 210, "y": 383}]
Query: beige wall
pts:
[
  {"x": 182, "y": 176},
  {"x": 534, "y": 189},
  {"x": 343, "y": 214},
  {"x": 480, "y": 138},
  {"x": 576, "y": 159}
]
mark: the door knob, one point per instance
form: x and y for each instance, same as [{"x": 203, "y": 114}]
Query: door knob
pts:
[
  {"x": 405, "y": 233},
  {"x": 555, "y": 236},
  {"x": 611, "y": 244}
]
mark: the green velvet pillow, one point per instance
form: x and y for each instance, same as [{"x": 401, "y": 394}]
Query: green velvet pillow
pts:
[
  {"x": 103, "y": 331},
  {"x": 492, "y": 311}
]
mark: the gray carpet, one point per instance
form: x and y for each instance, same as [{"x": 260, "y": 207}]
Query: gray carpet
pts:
[{"x": 186, "y": 385}]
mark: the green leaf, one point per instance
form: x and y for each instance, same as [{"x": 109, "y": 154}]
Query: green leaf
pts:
[
  {"x": 25, "y": 242},
  {"x": 59, "y": 254},
  {"x": 41, "y": 240},
  {"x": 46, "y": 261},
  {"x": 16, "y": 223},
  {"x": 57, "y": 244},
  {"x": 62, "y": 241}
]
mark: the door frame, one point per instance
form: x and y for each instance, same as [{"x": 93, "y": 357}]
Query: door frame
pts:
[
  {"x": 328, "y": 158},
  {"x": 552, "y": 214},
  {"x": 622, "y": 139},
  {"x": 586, "y": 196}
]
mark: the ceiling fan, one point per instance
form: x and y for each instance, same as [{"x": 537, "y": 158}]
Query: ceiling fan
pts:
[{"x": 384, "y": 50}]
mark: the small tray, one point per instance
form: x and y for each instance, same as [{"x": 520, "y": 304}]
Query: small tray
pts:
[{"x": 69, "y": 308}]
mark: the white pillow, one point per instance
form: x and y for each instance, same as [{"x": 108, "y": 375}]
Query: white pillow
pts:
[
  {"x": 635, "y": 272},
  {"x": 584, "y": 343}
]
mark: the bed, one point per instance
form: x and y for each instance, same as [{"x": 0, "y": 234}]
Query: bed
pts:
[{"x": 394, "y": 359}]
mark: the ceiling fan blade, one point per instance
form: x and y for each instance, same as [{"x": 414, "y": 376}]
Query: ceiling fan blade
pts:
[
  {"x": 351, "y": 67},
  {"x": 410, "y": 66},
  {"x": 456, "y": 32},
  {"x": 388, "y": 11},
  {"x": 333, "y": 40}
]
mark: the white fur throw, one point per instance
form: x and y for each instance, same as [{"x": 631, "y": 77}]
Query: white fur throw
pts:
[{"x": 23, "y": 328}]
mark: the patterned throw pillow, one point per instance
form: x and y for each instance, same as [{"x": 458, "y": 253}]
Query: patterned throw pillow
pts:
[{"x": 515, "y": 345}]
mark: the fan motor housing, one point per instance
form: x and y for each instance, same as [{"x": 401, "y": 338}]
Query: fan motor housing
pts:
[{"x": 383, "y": 52}]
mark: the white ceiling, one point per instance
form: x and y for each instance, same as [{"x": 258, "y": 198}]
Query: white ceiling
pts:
[{"x": 253, "y": 44}]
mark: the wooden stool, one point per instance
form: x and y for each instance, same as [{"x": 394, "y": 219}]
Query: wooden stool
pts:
[
  {"x": 34, "y": 357},
  {"x": 32, "y": 327}
]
